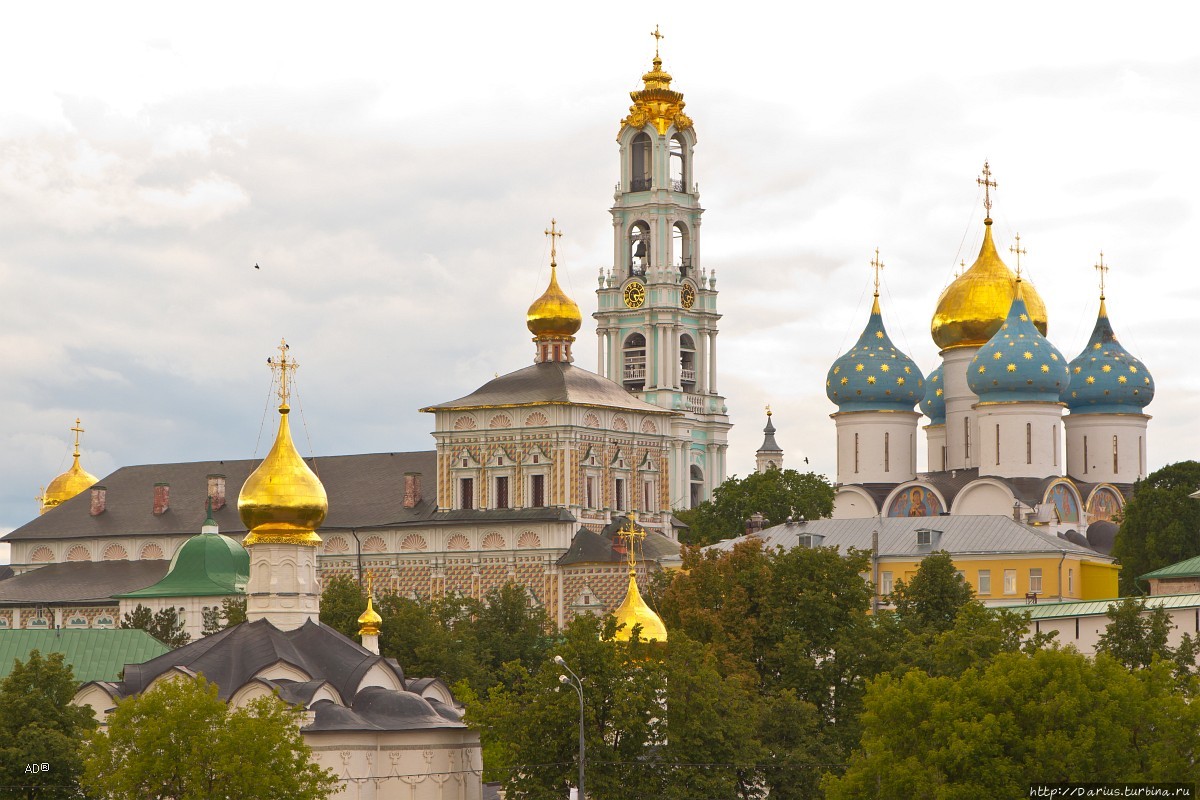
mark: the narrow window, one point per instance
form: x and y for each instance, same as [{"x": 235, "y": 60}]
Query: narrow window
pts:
[
  {"x": 1070, "y": 581},
  {"x": 1035, "y": 580},
  {"x": 466, "y": 492},
  {"x": 943, "y": 457},
  {"x": 885, "y": 583},
  {"x": 1054, "y": 443},
  {"x": 590, "y": 484},
  {"x": 1141, "y": 458},
  {"x": 502, "y": 492},
  {"x": 856, "y": 454},
  {"x": 537, "y": 490},
  {"x": 1028, "y": 442},
  {"x": 967, "y": 438},
  {"x": 997, "y": 442},
  {"x": 1010, "y": 581},
  {"x": 1085, "y": 455},
  {"x": 620, "y": 493},
  {"x": 648, "y": 496},
  {"x": 985, "y": 581},
  {"x": 1114, "y": 454},
  {"x": 887, "y": 456}
]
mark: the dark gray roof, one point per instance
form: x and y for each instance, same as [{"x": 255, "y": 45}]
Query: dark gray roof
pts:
[
  {"x": 80, "y": 582},
  {"x": 1101, "y": 535},
  {"x": 551, "y": 382},
  {"x": 233, "y": 656},
  {"x": 589, "y": 547},
  {"x": 364, "y": 491},
  {"x": 897, "y": 536},
  {"x": 769, "y": 444}
]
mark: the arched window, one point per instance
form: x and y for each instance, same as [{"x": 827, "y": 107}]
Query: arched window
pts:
[
  {"x": 697, "y": 475},
  {"x": 687, "y": 362},
  {"x": 639, "y": 248},
  {"x": 679, "y": 165},
  {"x": 640, "y": 163},
  {"x": 1028, "y": 442},
  {"x": 681, "y": 246},
  {"x": 633, "y": 376}
]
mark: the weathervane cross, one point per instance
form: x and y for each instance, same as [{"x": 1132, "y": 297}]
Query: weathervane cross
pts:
[
  {"x": 286, "y": 368},
  {"x": 988, "y": 184},
  {"x": 78, "y": 429},
  {"x": 658, "y": 37},
  {"x": 1102, "y": 268},
  {"x": 554, "y": 235},
  {"x": 1019, "y": 251},
  {"x": 877, "y": 265}
]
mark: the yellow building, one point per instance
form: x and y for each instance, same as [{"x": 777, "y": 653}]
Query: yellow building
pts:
[{"x": 1004, "y": 561}]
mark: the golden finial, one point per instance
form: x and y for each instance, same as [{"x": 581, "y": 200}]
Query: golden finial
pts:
[
  {"x": 1019, "y": 251},
  {"x": 1102, "y": 268},
  {"x": 369, "y": 621},
  {"x": 658, "y": 37},
  {"x": 877, "y": 265},
  {"x": 988, "y": 184},
  {"x": 768, "y": 409},
  {"x": 285, "y": 367},
  {"x": 78, "y": 430},
  {"x": 554, "y": 235}
]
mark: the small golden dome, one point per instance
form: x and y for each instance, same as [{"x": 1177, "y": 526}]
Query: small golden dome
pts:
[
  {"x": 634, "y": 611},
  {"x": 553, "y": 315},
  {"x": 370, "y": 621},
  {"x": 283, "y": 501},
  {"x": 974, "y": 306},
  {"x": 70, "y": 483}
]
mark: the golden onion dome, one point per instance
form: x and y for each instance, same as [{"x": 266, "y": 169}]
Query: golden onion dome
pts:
[
  {"x": 634, "y": 611},
  {"x": 975, "y": 305},
  {"x": 553, "y": 315},
  {"x": 283, "y": 501},
  {"x": 369, "y": 621},
  {"x": 70, "y": 483}
]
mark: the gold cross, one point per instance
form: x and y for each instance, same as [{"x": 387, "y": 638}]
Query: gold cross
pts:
[
  {"x": 1102, "y": 268},
  {"x": 286, "y": 367},
  {"x": 554, "y": 235},
  {"x": 632, "y": 533},
  {"x": 657, "y": 38},
  {"x": 78, "y": 430},
  {"x": 988, "y": 184},
  {"x": 1019, "y": 251},
  {"x": 877, "y": 265}
]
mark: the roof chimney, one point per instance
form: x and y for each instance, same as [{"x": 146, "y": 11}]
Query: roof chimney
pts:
[
  {"x": 412, "y": 489},
  {"x": 755, "y": 523},
  {"x": 162, "y": 498},
  {"x": 216, "y": 491},
  {"x": 99, "y": 500}
]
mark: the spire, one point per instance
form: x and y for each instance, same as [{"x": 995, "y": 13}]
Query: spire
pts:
[
  {"x": 633, "y": 610},
  {"x": 553, "y": 318},
  {"x": 656, "y": 103},
  {"x": 770, "y": 455},
  {"x": 210, "y": 525}
]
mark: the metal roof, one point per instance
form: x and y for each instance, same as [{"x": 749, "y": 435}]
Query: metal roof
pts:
[
  {"x": 1092, "y": 608},
  {"x": 1189, "y": 568},
  {"x": 965, "y": 535},
  {"x": 94, "y": 655},
  {"x": 72, "y": 582}
]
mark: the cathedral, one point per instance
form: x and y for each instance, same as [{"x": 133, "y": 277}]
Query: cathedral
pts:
[
  {"x": 1000, "y": 406},
  {"x": 533, "y": 476}
]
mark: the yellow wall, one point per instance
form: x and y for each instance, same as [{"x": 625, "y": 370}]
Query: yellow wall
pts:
[{"x": 1082, "y": 579}]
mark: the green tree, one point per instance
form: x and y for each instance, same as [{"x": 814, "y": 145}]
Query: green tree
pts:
[
  {"x": 1136, "y": 637},
  {"x": 1021, "y": 717},
  {"x": 1160, "y": 525},
  {"x": 232, "y": 611},
  {"x": 776, "y": 494},
  {"x": 932, "y": 599},
  {"x": 38, "y": 725},
  {"x": 165, "y": 625},
  {"x": 342, "y": 602},
  {"x": 510, "y": 628},
  {"x": 181, "y": 741}
]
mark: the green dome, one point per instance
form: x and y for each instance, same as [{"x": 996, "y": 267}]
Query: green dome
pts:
[{"x": 208, "y": 564}]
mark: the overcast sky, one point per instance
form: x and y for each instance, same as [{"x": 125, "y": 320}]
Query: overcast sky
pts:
[{"x": 391, "y": 167}]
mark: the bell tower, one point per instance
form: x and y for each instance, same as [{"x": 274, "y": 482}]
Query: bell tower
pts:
[{"x": 656, "y": 316}]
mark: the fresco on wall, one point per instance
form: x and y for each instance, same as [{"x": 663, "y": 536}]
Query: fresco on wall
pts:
[
  {"x": 915, "y": 501},
  {"x": 1066, "y": 504},
  {"x": 1103, "y": 504}
]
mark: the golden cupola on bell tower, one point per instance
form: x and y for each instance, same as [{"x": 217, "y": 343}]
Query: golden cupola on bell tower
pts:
[
  {"x": 70, "y": 483},
  {"x": 282, "y": 504}
]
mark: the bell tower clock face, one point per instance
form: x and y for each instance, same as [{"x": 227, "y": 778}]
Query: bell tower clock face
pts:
[
  {"x": 635, "y": 294},
  {"x": 688, "y": 296}
]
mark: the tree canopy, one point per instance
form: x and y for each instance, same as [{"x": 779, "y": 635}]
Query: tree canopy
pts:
[
  {"x": 165, "y": 625},
  {"x": 38, "y": 725},
  {"x": 1160, "y": 525},
  {"x": 181, "y": 741},
  {"x": 932, "y": 599},
  {"x": 776, "y": 494}
]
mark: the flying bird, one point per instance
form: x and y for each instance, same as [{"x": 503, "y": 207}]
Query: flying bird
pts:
[{"x": 256, "y": 265}]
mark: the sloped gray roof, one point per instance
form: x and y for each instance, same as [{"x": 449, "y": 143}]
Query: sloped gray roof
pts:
[
  {"x": 587, "y": 546},
  {"x": 965, "y": 535},
  {"x": 551, "y": 382},
  {"x": 364, "y": 491},
  {"x": 80, "y": 582}
]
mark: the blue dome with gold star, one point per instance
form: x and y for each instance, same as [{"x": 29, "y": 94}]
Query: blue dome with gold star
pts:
[
  {"x": 1105, "y": 378},
  {"x": 875, "y": 375},
  {"x": 934, "y": 403},
  {"x": 1018, "y": 364}
]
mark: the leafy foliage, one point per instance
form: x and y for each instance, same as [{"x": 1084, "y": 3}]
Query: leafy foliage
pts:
[
  {"x": 38, "y": 725},
  {"x": 776, "y": 494},
  {"x": 165, "y": 625},
  {"x": 1161, "y": 524},
  {"x": 342, "y": 601},
  {"x": 932, "y": 599},
  {"x": 181, "y": 741},
  {"x": 232, "y": 611},
  {"x": 1137, "y": 638}
]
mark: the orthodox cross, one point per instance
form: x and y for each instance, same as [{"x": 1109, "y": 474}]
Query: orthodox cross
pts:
[
  {"x": 988, "y": 184},
  {"x": 632, "y": 533},
  {"x": 1019, "y": 251},
  {"x": 1102, "y": 268},
  {"x": 286, "y": 368},
  {"x": 554, "y": 236},
  {"x": 877, "y": 265},
  {"x": 78, "y": 430},
  {"x": 658, "y": 37}
]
